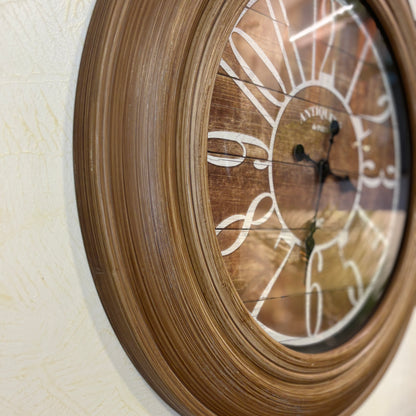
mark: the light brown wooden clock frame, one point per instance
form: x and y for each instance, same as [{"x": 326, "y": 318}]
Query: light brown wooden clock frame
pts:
[{"x": 140, "y": 143}]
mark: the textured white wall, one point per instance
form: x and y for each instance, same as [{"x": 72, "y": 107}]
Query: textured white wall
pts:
[
  {"x": 58, "y": 353},
  {"x": 413, "y": 6}
]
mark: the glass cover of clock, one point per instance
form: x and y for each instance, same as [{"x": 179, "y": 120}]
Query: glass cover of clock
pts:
[{"x": 308, "y": 167}]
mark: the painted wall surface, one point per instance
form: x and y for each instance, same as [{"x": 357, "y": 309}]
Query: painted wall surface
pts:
[
  {"x": 58, "y": 353},
  {"x": 413, "y": 7}
]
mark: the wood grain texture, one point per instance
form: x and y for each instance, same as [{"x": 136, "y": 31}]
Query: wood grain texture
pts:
[{"x": 140, "y": 146}]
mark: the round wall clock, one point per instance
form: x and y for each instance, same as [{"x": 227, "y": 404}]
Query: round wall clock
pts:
[{"x": 246, "y": 196}]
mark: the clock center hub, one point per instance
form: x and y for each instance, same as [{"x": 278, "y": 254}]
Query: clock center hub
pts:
[{"x": 315, "y": 171}]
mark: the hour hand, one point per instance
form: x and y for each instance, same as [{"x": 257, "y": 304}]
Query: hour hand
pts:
[
  {"x": 299, "y": 155},
  {"x": 309, "y": 246},
  {"x": 345, "y": 182}
]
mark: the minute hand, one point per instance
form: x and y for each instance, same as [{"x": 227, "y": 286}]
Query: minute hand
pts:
[{"x": 323, "y": 172}]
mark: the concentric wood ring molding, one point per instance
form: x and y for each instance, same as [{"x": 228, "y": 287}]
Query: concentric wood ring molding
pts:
[{"x": 140, "y": 141}]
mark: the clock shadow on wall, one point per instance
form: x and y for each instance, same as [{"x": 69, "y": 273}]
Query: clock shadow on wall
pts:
[{"x": 243, "y": 179}]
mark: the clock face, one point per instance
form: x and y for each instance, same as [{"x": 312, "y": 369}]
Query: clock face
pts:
[{"x": 307, "y": 167}]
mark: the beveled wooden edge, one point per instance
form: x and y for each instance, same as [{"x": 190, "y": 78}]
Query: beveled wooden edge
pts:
[{"x": 140, "y": 130}]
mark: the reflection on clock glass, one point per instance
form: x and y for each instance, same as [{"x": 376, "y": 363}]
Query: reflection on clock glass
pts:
[{"x": 308, "y": 167}]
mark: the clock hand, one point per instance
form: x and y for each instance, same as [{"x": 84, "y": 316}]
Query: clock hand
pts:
[
  {"x": 300, "y": 155},
  {"x": 334, "y": 128},
  {"x": 323, "y": 171},
  {"x": 310, "y": 241},
  {"x": 346, "y": 184}
]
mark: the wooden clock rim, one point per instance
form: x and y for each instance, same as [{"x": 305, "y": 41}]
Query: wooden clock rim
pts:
[{"x": 139, "y": 142}]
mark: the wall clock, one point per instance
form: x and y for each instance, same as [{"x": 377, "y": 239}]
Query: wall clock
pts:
[{"x": 246, "y": 195}]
